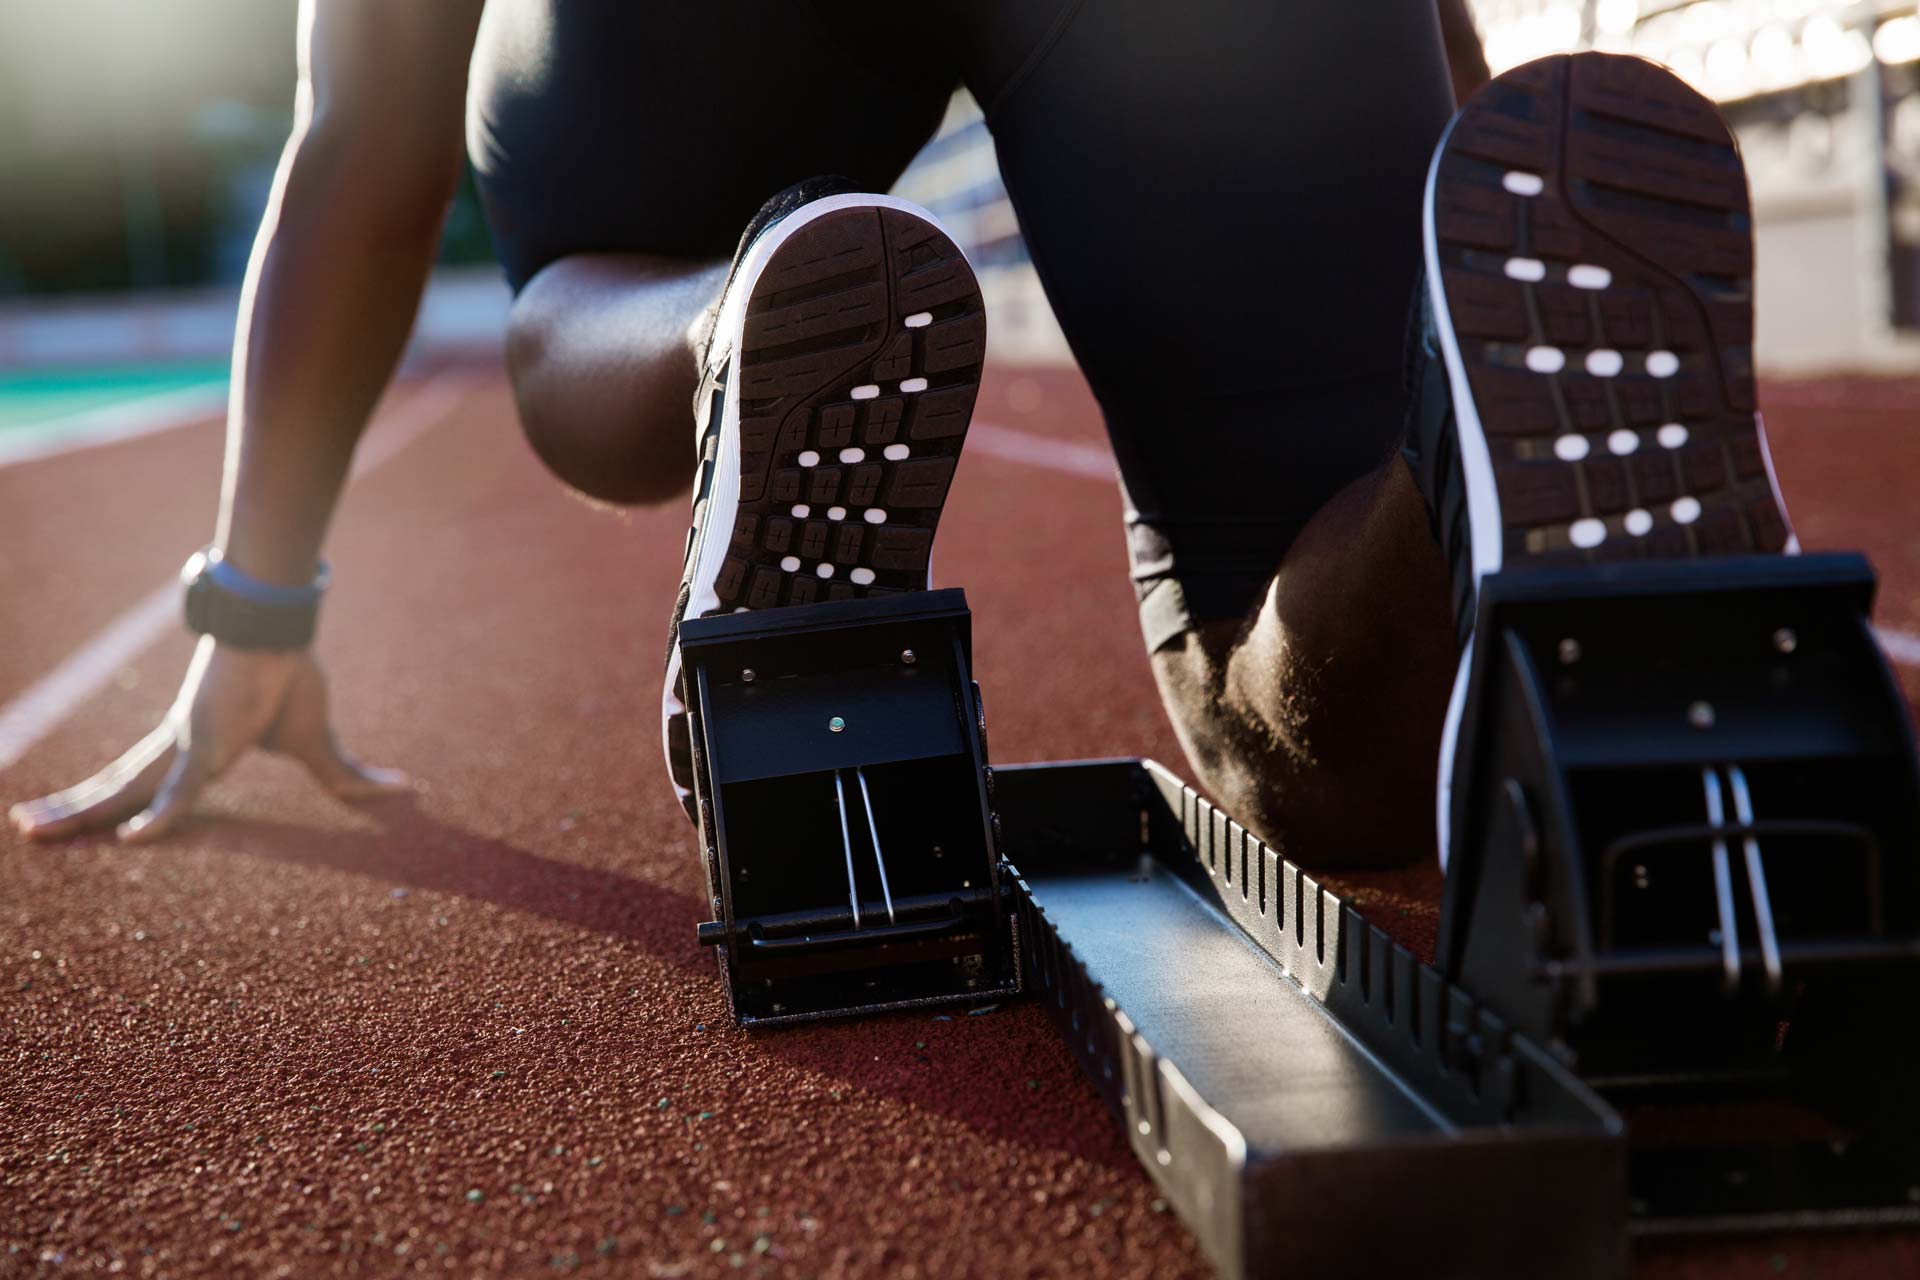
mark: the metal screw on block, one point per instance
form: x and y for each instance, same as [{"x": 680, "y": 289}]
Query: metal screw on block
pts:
[
  {"x": 746, "y": 675},
  {"x": 1700, "y": 715},
  {"x": 836, "y": 724},
  {"x": 1569, "y": 651},
  {"x": 907, "y": 656},
  {"x": 1785, "y": 641},
  {"x": 1640, "y": 880}
]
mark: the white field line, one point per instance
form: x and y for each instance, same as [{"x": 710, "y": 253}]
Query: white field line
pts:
[
  {"x": 113, "y": 423},
  {"x": 1006, "y": 443},
  {"x": 43, "y": 706}
]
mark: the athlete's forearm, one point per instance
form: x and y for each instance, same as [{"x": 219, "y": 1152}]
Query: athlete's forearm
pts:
[{"x": 331, "y": 291}]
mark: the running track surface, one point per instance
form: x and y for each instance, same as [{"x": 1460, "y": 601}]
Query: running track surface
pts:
[{"x": 471, "y": 1032}]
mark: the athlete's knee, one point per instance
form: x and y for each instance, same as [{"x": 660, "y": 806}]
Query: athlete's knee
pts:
[
  {"x": 1295, "y": 752},
  {"x": 533, "y": 342},
  {"x": 579, "y": 417}
]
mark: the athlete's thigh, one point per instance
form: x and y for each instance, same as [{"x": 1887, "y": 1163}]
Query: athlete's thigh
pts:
[
  {"x": 616, "y": 125},
  {"x": 1223, "y": 201}
]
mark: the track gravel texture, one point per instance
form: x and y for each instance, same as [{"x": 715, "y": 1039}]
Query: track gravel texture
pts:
[{"x": 469, "y": 1031}]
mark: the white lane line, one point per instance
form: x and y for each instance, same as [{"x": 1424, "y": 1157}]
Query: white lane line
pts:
[
  {"x": 1041, "y": 451},
  {"x": 48, "y": 701},
  {"x": 111, "y": 424},
  {"x": 1902, "y": 647},
  {"x": 1011, "y": 445},
  {"x": 45, "y": 704}
]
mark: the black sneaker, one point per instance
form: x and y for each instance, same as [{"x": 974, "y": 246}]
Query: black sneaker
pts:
[
  {"x": 1588, "y": 394},
  {"x": 836, "y": 391}
]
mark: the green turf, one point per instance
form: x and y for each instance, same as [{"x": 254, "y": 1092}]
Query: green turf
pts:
[{"x": 42, "y": 400}]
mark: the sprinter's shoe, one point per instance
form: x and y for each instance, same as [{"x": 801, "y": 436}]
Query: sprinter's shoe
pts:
[
  {"x": 835, "y": 396},
  {"x": 1589, "y": 299}
]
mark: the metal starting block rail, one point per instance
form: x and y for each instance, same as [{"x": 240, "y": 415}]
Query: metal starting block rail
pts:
[
  {"x": 1311, "y": 1097},
  {"x": 841, "y": 770}
]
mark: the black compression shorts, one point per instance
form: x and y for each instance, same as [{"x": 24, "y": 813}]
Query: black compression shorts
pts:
[{"x": 1222, "y": 198}]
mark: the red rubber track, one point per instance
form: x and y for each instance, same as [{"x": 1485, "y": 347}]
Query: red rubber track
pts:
[{"x": 472, "y": 1033}]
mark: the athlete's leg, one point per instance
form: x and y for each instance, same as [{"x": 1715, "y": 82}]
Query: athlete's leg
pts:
[
  {"x": 1319, "y": 716},
  {"x": 600, "y": 350},
  {"x": 620, "y": 151},
  {"x": 1223, "y": 201}
]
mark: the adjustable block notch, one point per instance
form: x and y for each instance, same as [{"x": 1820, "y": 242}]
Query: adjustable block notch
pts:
[{"x": 840, "y": 761}]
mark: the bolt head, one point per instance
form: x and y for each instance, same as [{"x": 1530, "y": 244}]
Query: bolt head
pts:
[
  {"x": 836, "y": 725},
  {"x": 1569, "y": 651},
  {"x": 907, "y": 656},
  {"x": 746, "y": 675},
  {"x": 1785, "y": 641},
  {"x": 1700, "y": 715}
]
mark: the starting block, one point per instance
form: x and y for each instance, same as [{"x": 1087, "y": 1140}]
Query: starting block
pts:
[
  {"x": 841, "y": 768},
  {"x": 1686, "y": 835},
  {"x": 1679, "y": 945}
]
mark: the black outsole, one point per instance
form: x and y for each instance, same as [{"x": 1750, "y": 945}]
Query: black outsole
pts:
[
  {"x": 1623, "y": 168},
  {"x": 828, "y": 315}
]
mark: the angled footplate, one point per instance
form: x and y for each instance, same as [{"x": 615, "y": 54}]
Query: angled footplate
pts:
[
  {"x": 840, "y": 762},
  {"x": 1685, "y": 857}
]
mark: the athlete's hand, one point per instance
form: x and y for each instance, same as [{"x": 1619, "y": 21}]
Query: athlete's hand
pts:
[{"x": 232, "y": 699}]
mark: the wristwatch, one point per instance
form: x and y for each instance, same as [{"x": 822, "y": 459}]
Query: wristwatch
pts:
[{"x": 242, "y": 611}]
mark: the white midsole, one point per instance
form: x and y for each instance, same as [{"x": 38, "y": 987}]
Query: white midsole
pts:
[
  {"x": 723, "y": 500},
  {"x": 1483, "y": 498}
]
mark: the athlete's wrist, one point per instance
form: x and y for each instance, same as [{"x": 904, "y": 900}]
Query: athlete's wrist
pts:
[{"x": 238, "y": 609}]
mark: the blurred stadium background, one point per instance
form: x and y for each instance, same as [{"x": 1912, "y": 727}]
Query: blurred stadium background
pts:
[{"x": 130, "y": 184}]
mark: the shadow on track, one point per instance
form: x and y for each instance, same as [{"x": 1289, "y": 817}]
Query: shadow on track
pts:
[
  {"x": 415, "y": 850},
  {"x": 1005, "y": 1073}
]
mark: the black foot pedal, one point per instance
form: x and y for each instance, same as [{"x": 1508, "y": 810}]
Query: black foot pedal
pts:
[
  {"x": 841, "y": 769},
  {"x": 1685, "y": 856}
]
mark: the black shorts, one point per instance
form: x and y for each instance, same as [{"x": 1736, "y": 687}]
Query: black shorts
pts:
[{"x": 1222, "y": 199}]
